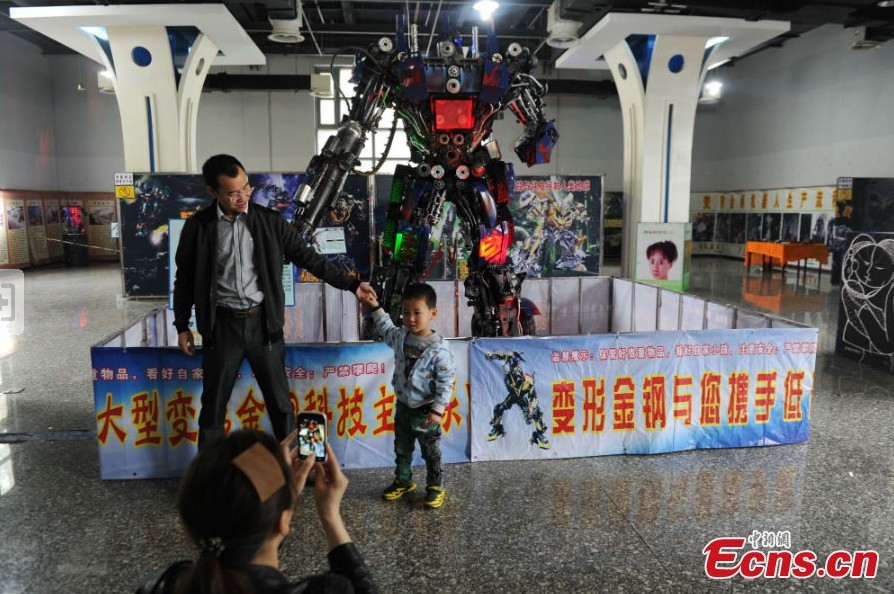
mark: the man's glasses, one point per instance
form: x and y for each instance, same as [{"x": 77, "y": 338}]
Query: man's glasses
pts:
[{"x": 244, "y": 192}]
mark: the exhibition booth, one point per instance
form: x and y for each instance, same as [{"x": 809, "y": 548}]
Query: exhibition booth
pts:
[{"x": 627, "y": 368}]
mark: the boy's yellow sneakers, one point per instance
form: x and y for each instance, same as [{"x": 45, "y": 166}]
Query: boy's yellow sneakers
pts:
[
  {"x": 397, "y": 490},
  {"x": 434, "y": 496}
]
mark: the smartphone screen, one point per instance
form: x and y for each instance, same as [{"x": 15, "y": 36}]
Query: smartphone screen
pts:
[{"x": 312, "y": 436}]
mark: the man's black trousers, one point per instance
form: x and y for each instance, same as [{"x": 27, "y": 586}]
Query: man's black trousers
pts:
[{"x": 233, "y": 340}]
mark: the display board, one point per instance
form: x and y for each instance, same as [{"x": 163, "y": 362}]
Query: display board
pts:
[
  {"x": 583, "y": 395},
  {"x": 722, "y": 222},
  {"x": 32, "y": 226},
  {"x": 154, "y": 199}
]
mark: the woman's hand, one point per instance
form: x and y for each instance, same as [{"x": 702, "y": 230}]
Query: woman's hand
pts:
[{"x": 329, "y": 488}]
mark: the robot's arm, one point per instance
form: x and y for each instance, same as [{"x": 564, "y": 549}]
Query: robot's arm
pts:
[
  {"x": 537, "y": 141},
  {"x": 328, "y": 170}
]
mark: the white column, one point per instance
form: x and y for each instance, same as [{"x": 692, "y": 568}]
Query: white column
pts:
[
  {"x": 658, "y": 121},
  {"x": 158, "y": 119}
]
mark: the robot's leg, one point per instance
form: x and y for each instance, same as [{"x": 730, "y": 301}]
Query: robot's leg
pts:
[
  {"x": 538, "y": 437},
  {"x": 497, "y": 422}
]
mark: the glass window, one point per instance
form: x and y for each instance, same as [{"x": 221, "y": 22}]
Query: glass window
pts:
[{"x": 330, "y": 113}]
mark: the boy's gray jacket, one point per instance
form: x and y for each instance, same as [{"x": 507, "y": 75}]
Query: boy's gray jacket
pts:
[{"x": 433, "y": 375}]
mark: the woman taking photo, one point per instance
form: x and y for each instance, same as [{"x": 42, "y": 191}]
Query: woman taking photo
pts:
[{"x": 236, "y": 502}]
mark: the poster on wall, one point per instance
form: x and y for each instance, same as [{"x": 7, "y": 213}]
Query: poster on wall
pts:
[
  {"x": 17, "y": 233},
  {"x": 558, "y": 226},
  {"x": 158, "y": 198},
  {"x": 867, "y": 300},
  {"x": 4, "y": 249},
  {"x": 37, "y": 239},
  {"x": 785, "y": 214},
  {"x": 663, "y": 252},
  {"x": 613, "y": 224},
  {"x": 100, "y": 216},
  {"x": 53, "y": 228}
]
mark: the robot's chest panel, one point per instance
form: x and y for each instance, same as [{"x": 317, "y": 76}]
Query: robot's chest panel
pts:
[{"x": 453, "y": 79}]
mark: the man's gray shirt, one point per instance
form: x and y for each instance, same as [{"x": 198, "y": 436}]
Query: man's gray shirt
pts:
[{"x": 237, "y": 280}]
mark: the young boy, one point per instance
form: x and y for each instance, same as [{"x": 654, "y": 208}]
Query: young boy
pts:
[{"x": 424, "y": 373}]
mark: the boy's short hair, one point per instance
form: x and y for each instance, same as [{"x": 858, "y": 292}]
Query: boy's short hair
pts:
[
  {"x": 421, "y": 291},
  {"x": 219, "y": 165}
]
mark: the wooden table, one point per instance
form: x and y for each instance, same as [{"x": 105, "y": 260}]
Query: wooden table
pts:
[{"x": 781, "y": 253}]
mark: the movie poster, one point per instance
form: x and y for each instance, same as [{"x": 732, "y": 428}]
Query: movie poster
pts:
[{"x": 558, "y": 226}]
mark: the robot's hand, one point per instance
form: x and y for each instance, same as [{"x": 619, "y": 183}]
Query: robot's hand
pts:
[{"x": 537, "y": 145}]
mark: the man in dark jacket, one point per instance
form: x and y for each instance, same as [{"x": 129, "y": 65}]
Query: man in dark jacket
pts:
[{"x": 229, "y": 265}]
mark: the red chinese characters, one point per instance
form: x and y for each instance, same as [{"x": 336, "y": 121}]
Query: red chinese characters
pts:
[
  {"x": 682, "y": 399},
  {"x": 710, "y": 400},
  {"x": 654, "y": 402},
  {"x": 179, "y": 413},
  {"x": 250, "y": 411},
  {"x": 318, "y": 401},
  {"x": 350, "y": 413},
  {"x": 623, "y": 396},
  {"x": 384, "y": 406},
  {"x": 794, "y": 391},
  {"x": 594, "y": 404},
  {"x": 145, "y": 417},
  {"x": 737, "y": 408},
  {"x": 764, "y": 396},
  {"x": 106, "y": 417},
  {"x": 563, "y": 407}
]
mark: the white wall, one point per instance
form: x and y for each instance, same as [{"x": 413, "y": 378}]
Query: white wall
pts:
[
  {"x": 801, "y": 115},
  {"x": 28, "y": 134},
  {"x": 89, "y": 143}
]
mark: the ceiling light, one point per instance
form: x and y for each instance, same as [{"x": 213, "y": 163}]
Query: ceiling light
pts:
[
  {"x": 711, "y": 92},
  {"x": 885, "y": 3},
  {"x": 486, "y": 8}
]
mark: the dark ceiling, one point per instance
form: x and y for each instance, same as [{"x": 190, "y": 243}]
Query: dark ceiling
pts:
[{"x": 338, "y": 24}]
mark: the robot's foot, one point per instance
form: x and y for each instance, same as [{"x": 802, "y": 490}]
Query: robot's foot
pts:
[
  {"x": 496, "y": 432},
  {"x": 540, "y": 441}
]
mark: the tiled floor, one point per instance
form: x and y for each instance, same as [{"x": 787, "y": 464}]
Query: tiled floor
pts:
[{"x": 609, "y": 524}]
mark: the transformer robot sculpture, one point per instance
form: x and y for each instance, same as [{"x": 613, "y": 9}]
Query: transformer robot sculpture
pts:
[{"x": 448, "y": 103}]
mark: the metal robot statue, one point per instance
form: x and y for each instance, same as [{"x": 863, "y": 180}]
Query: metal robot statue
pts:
[{"x": 448, "y": 103}]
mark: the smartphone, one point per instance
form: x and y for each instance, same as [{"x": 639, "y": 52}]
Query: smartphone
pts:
[{"x": 312, "y": 436}]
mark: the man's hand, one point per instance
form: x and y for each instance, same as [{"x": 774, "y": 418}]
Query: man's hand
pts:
[
  {"x": 366, "y": 294},
  {"x": 184, "y": 340}
]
